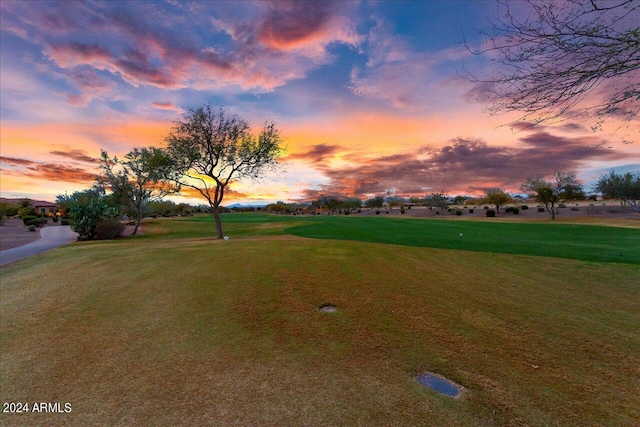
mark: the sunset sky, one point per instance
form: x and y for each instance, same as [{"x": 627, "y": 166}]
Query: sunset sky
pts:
[{"x": 368, "y": 95}]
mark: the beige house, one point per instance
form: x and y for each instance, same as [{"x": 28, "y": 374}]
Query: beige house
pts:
[{"x": 44, "y": 208}]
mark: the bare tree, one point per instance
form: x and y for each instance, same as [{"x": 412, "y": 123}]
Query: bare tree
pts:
[
  {"x": 550, "y": 193},
  {"x": 142, "y": 177},
  {"x": 559, "y": 52},
  {"x": 211, "y": 149}
]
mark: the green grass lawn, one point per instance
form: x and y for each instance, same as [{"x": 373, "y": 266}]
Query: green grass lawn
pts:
[
  {"x": 177, "y": 328},
  {"x": 573, "y": 241}
]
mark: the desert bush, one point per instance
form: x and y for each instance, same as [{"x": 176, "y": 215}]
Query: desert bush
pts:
[
  {"x": 401, "y": 211},
  {"x": 108, "y": 229},
  {"x": 36, "y": 222},
  {"x": 32, "y": 228},
  {"x": 490, "y": 213},
  {"x": 509, "y": 209},
  {"x": 485, "y": 207},
  {"x": 540, "y": 209},
  {"x": 575, "y": 209},
  {"x": 471, "y": 210},
  {"x": 562, "y": 205},
  {"x": 458, "y": 212},
  {"x": 377, "y": 212},
  {"x": 28, "y": 218},
  {"x": 515, "y": 211}
]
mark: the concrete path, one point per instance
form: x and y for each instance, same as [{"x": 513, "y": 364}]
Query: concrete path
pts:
[{"x": 50, "y": 237}]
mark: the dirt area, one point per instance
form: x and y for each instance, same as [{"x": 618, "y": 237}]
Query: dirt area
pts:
[
  {"x": 14, "y": 233},
  {"x": 582, "y": 210}
]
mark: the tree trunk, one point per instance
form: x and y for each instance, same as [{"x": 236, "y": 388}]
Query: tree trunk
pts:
[
  {"x": 135, "y": 229},
  {"x": 216, "y": 216}
]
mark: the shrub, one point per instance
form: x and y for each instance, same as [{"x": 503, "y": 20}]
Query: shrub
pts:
[
  {"x": 378, "y": 212},
  {"x": 108, "y": 229},
  {"x": 54, "y": 219},
  {"x": 490, "y": 213},
  {"x": 470, "y": 210},
  {"x": 575, "y": 209},
  {"x": 401, "y": 211},
  {"x": 32, "y": 228},
  {"x": 540, "y": 209},
  {"x": 562, "y": 205},
  {"x": 515, "y": 211},
  {"x": 65, "y": 221},
  {"x": 524, "y": 207},
  {"x": 36, "y": 222},
  {"x": 458, "y": 212},
  {"x": 28, "y": 218},
  {"x": 485, "y": 207},
  {"x": 509, "y": 209},
  {"x": 437, "y": 212}
]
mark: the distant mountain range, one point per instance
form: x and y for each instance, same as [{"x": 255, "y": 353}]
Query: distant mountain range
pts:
[{"x": 249, "y": 205}]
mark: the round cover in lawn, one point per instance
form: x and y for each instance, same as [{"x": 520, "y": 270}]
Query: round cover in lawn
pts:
[{"x": 439, "y": 384}]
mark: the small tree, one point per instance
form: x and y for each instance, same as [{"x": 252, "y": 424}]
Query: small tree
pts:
[
  {"x": 330, "y": 203},
  {"x": 210, "y": 149},
  {"x": 144, "y": 175},
  {"x": 550, "y": 193},
  {"x": 352, "y": 203},
  {"x": 436, "y": 200},
  {"x": 375, "y": 202},
  {"x": 625, "y": 188},
  {"x": 498, "y": 197}
]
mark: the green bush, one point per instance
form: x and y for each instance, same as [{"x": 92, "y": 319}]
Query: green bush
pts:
[
  {"x": 540, "y": 209},
  {"x": 515, "y": 211},
  {"x": 28, "y": 218},
  {"x": 575, "y": 209},
  {"x": 490, "y": 213},
  {"x": 524, "y": 207},
  {"x": 377, "y": 212},
  {"x": 32, "y": 228},
  {"x": 458, "y": 212},
  {"x": 509, "y": 209},
  {"x": 470, "y": 210},
  {"x": 54, "y": 219},
  {"x": 65, "y": 221},
  {"x": 36, "y": 222},
  {"x": 108, "y": 229},
  {"x": 401, "y": 211}
]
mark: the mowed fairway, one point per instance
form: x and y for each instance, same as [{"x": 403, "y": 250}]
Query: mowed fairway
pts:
[{"x": 171, "y": 328}]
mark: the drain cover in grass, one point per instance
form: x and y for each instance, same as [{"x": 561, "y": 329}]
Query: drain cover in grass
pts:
[
  {"x": 327, "y": 308},
  {"x": 439, "y": 384}
]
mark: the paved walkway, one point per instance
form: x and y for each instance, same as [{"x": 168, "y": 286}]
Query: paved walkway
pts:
[{"x": 50, "y": 237}]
